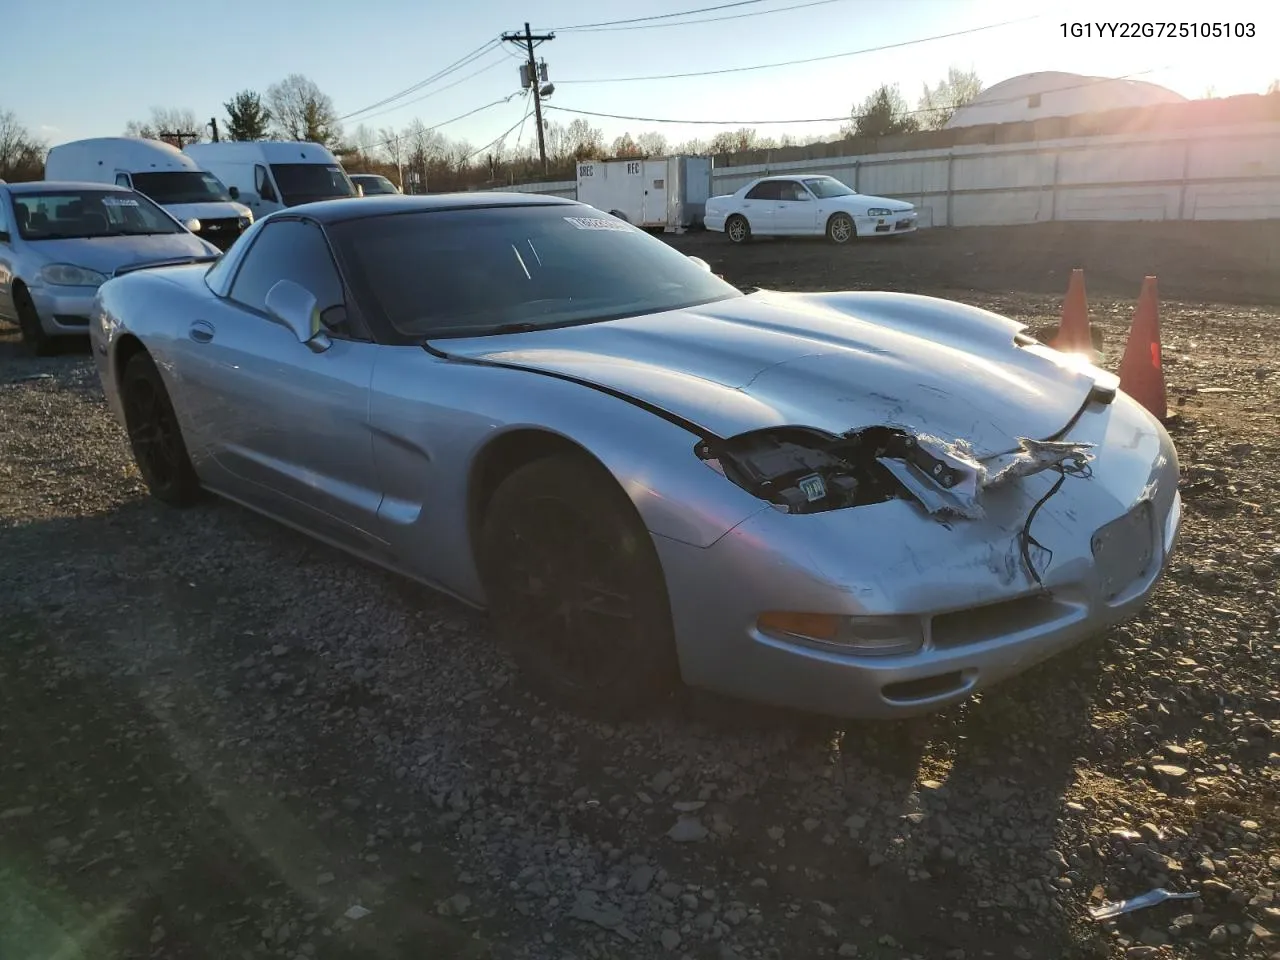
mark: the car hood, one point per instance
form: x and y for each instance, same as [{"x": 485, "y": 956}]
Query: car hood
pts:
[
  {"x": 210, "y": 210},
  {"x": 835, "y": 362},
  {"x": 861, "y": 202},
  {"x": 108, "y": 254}
]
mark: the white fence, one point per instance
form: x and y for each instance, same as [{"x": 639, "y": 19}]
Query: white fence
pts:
[
  {"x": 1209, "y": 173},
  {"x": 556, "y": 188}
]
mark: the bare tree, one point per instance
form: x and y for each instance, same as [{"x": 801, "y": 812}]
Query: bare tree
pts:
[
  {"x": 391, "y": 145},
  {"x": 938, "y": 104},
  {"x": 652, "y": 144},
  {"x": 1273, "y": 88},
  {"x": 585, "y": 142},
  {"x": 167, "y": 123},
  {"x": 300, "y": 110},
  {"x": 21, "y": 154},
  {"x": 692, "y": 148},
  {"x": 735, "y": 141},
  {"x": 625, "y": 146}
]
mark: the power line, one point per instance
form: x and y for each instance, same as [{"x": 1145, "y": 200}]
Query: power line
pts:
[
  {"x": 851, "y": 117},
  {"x": 432, "y": 93},
  {"x": 687, "y": 23},
  {"x": 499, "y": 138},
  {"x": 443, "y": 123},
  {"x": 660, "y": 16},
  {"x": 439, "y": 75},
  {"x": 829, "y": 56}
]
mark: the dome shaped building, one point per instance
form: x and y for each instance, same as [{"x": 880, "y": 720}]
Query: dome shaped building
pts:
[{"x": 1033, "y": 96}]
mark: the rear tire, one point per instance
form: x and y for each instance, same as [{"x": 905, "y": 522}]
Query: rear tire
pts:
[
  {"x": 33, "y": 335},
  {"x": 154, "y": 435},
  {"x": 575, "y": 587},
  {"x": 737, "y": 229},
  {"x": 840, "y": 229}
]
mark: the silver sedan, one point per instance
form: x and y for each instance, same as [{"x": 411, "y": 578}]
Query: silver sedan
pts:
[
  {"x": 863, "y": 504},
  {"x": 60, "y": 241}
]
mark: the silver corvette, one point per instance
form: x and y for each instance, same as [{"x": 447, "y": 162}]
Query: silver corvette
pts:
[{"x": 861, "y": 504}]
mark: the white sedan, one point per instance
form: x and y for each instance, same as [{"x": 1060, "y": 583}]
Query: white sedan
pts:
[{"x": 806, "y": 206}]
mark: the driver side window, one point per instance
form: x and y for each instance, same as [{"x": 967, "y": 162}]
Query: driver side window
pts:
[
  {"x": 292, "y": 250},
  {"x": 793, "y": 191}
]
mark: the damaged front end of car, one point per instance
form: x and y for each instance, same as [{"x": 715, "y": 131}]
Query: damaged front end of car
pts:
[{"x": 803, "y": 470}]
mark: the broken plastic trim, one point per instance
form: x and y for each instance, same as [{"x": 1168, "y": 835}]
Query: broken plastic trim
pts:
[{"x": 804, "y": 470}]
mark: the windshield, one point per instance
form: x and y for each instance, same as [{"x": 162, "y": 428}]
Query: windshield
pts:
[
  {"x": 181, "y": 186},
  {"x": 824, "y": 188},
  {"x": 374, "y": 184},
  {"x": 307, "y": 182},
  {"x": 466, "y": 273},
  {"x": 66, "y": 214}
]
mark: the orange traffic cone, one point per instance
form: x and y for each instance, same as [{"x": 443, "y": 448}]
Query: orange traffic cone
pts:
[
  {"x": 1073, "y": 334},
  {"x": 1141, "y": 371}
]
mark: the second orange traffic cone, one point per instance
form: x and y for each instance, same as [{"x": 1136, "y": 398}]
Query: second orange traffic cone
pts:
[
  {"x": 1073, "y": 334},
  {"x": 1141, "y": 369}
]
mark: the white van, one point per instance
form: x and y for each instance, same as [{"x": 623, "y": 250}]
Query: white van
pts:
[
  {"x": 188, "y": 192},
  {"x": 271, "y": 174}
]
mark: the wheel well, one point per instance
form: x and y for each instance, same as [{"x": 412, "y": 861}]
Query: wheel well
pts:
[
  {"x": 501, "y": 458},
  {"x": 127, "y": 347}
]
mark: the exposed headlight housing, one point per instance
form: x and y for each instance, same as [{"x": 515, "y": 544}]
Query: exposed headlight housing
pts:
[
  {"x": 245, "y": 222},
  {"x": 858, "y": 636},
  {"x": 879, "y": 212},
  {"x": 69, "y": 275}
]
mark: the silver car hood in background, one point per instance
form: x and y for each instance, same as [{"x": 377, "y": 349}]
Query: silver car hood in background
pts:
[
  {"x": 107, "y": 254},
  {"x": 747, "y": 363}
]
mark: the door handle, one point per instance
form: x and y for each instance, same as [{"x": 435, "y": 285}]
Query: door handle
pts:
[{"x": 201, "y": 331}]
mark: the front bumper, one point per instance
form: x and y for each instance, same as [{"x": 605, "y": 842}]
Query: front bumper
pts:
[
  {"x": 63, "y": 311},
  {"x": 894, "y": 225},
  {"x": 984, "y": 619}
]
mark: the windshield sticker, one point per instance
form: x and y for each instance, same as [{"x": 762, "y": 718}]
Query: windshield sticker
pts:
[
  {"x": 598, "y": 223},
  {"x": 118, "y": 202}
]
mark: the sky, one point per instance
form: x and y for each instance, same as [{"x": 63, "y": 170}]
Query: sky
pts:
[{"x": 109, "y": 63}]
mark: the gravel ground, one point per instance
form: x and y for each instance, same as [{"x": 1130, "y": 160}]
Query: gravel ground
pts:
[{"x": 223, "y": 740}]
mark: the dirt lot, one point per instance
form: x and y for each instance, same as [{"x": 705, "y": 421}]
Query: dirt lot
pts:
[{"x": 219, "y": 737}]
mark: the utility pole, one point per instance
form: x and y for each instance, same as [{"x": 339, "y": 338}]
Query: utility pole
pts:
[
  {"x": 213, "y": 126},
  {"x": 179, "y": 135},
  {"x": 531, "y": 79}
]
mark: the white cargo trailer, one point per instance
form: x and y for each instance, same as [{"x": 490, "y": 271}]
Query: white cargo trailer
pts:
[{"x": 667, "y": 192}]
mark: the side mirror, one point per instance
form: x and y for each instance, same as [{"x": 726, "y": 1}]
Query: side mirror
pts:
[
  {"x": 234, "y": 192},
  {"x": 295, "y": 307},
  {"x": 192, "y": 225},
  {"x": 702, "y": 263},
  {"x": 359, "y": 190}
]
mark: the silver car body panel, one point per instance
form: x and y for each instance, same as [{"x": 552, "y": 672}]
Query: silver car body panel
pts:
[{"x": 374, "y": 448}]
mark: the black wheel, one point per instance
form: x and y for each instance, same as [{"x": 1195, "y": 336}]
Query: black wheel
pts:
[
  {"x": 737, "y": 229},
  {"x": 575, "y": 587},
  {"x": 840, "y": 228},
  {"x": 33, "y": 335},
  {"x": 154, "y": 435}
]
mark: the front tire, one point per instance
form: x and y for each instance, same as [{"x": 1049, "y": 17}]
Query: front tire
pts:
[
  {"x": 575, "y": 587},
  {"x": 33, "y": 335},
  {"x": 737, "y": 229},
  {"x": 154, "y": 435},
  {"x": 840, "y": 229}
]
